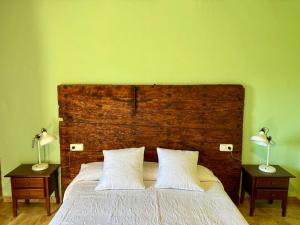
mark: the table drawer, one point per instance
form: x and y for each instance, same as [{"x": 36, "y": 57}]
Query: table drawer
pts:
[
  {"x": 28, "y": 182},
  {"x": 272, "y": 182},
  {"x": 270, "y": 194},
  {"x": 29, "y": 193}
]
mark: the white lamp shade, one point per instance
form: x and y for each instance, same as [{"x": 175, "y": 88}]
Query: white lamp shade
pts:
[
  {"x": 260, "y": 139},
  {"x": 46, "y": 138}
]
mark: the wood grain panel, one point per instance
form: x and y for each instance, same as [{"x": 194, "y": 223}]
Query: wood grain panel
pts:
[
  {"x": 191, "y": 92},
  {"x": 95, "y": 103},
  {"x": 191, "y": 117}
]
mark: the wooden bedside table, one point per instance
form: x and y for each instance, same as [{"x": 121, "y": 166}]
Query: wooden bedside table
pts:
[
  {"x": 28, "y": 184},
  {"x": 261, "y": 185}
]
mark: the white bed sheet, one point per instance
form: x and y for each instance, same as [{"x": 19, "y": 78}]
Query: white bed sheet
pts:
[{"x": 83, "y": 205}]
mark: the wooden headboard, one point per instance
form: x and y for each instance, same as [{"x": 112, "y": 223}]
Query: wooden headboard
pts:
[{"x": 191, "y": 117}]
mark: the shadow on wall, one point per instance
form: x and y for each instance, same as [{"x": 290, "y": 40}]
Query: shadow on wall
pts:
[
  {"x": 248, "y": 152},
  {"x": 21, "y": 82},
  {"x": 294, "y": 144}
]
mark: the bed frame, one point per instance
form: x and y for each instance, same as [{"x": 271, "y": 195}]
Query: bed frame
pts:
[{"x": 191, "y": 117}]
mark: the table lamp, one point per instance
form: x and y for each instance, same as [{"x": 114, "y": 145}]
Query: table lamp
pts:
[
  {"x": 41, "y": 139},
  {"x": 264, "y": 140}
]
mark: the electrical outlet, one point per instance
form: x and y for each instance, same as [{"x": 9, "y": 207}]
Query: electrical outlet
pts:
[
  {"x": 76, "y": 147},
  {"x": 226, "y": 147}
]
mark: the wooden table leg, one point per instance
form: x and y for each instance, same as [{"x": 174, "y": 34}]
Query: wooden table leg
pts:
[
  {"x": 56, "y": 188},
  {"x": 271, "y": 201},
  {"x": 15, "y": 206},
  {"x": 252, "y": 206},
  {"x": 47, "y": 200},
  {"x": 283, "y": 206},
  {"x": 242, "y": 195},
  {"x": 27, "y": 201}
]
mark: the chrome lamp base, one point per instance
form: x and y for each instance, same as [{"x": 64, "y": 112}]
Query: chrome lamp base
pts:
[
  {"x": 40, "y": 166},
  {"x": 267, "y": 169}
]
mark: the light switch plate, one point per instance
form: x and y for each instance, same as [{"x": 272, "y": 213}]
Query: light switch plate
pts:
[
  {"x": 76, "y": 147},
  {"x": 226, "y": 147}
]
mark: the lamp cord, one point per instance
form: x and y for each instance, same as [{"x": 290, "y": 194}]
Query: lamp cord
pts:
[{"x": 234, "y": 157}]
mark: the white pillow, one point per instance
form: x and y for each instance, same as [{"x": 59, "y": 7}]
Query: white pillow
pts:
[
  {"x": 178, "y": 169},
  {"x": 203, "y": 173},
  {"x": 122, "y": 169},
  {"x": 206, "y": 175},
  {"x": 93, "y": 172},
  {"x": 90, "y": 171},
  {"x": 150, "y": 171}
]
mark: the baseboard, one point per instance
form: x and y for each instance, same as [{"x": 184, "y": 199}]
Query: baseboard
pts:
[{"x": 9, "y": 199}]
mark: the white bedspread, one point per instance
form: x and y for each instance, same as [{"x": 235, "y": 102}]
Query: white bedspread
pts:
[{"x": 151, "y": 206}]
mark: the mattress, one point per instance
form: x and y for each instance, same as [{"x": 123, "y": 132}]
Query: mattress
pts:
[{"x": 83, "y": 205}]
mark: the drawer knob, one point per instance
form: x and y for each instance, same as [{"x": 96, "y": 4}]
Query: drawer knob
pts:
[{"x": 27, "y": 182}]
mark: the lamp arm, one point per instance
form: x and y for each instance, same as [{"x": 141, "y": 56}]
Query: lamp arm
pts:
[
  {"x": 39, "y": 150},
  {"x": 36, "y": 139},
  {"x": 268, "y": 154}
]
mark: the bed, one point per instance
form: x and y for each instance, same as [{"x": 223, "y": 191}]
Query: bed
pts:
[
  {"x": 152, "y": 206},
  {"x": 193, "y": 117}
]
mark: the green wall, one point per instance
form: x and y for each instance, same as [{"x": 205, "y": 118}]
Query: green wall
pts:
[{"x": 44, "y": 43}]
